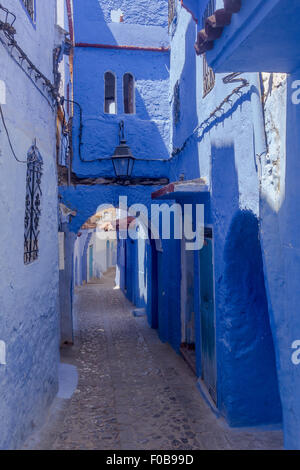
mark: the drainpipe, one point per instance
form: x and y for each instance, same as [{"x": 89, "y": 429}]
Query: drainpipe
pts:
[{"x": 260, "y": 139}]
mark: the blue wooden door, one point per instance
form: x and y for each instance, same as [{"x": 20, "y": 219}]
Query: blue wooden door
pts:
[
  {"x": 189, "y": 303},
  {"x": 162, "y": 308},
  {"x": 91, "y": 261},
  {"x": 207, "y": 315}
]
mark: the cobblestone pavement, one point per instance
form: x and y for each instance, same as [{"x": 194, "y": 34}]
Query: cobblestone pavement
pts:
[{"x": 134, "y": 392}]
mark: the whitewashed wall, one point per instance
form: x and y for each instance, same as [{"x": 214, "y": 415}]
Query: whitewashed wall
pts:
[{"x": 28, "y": 294}]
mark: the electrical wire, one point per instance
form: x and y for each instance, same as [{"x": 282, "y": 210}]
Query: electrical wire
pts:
[
  {"x": 9, "y": 139},
  {"x": 231, "y": 78},
  {"x": 21, "y": 57}
]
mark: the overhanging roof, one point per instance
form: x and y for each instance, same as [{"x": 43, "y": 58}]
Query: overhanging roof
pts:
[
  {"x": 262, "y": 36},
  {"x": 214, "y": 25}
]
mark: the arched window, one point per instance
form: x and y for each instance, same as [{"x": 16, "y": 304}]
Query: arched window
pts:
[
  {"x": 128, "y": 93},
  {"x": 32, "y": 205},
  {"x": 110, "y": 105}
]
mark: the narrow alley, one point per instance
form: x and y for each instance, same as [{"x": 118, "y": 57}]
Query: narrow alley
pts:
[
  {"x": 150, "y": 237},
  {"x": 134, "y": 392}
]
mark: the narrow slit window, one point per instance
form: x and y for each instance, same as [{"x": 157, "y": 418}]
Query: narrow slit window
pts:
[
  {"x": 33, "y": 205},
  {"x": 29, "y": 5},
  {"x": 208, "y": 73},
  {"x": 172, "y": 11},
  {"x": 110, "y": 105},
  {"x": 128, "y": 90}
]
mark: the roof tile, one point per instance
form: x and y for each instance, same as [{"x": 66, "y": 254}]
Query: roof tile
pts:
[{"x": 215, "y": 24}]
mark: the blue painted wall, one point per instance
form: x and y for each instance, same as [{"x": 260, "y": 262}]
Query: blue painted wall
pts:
[
  {"x": 147, "y": 131},
  {"x": 223, "y": 154},
  {"x": 280, "y": 232},
  {"x": 237, "y": 49},
  {"x": 29, "y": 306},
  {"x": 273, "y": 24},
  {"x": 85, "y": 200}
]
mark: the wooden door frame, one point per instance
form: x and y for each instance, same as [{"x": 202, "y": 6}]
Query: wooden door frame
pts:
[{"x": 212, "y": 238}]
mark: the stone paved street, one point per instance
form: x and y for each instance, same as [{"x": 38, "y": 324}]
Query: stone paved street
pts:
[{"x": 134, "y": 392}]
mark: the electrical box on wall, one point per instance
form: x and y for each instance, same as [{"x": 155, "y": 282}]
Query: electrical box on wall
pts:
[
  {"x": 61, "y": 244},
  {"x": 2, "y": 353},
  {"x": 2, "y": 92}
]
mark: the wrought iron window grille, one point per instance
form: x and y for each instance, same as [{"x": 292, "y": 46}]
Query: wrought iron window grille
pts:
[
  {"x": 32, "y": 205},
  {"x": 208, "y": 73},
  {"x": 172, "y": 11},
  {"x": 29, "y": 5},
  {"x": 176, "y": 103}
]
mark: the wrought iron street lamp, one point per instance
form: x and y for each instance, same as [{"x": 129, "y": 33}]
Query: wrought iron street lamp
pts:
[{"x": 123, "y": 160}]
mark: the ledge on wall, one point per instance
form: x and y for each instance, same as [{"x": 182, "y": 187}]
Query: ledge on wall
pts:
[
  {"x": 64, "y": 179},
  {"x": 180, "y": 189}
]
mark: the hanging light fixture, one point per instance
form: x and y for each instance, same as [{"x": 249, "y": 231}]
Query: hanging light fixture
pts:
[{"x": 122, "y": 159}]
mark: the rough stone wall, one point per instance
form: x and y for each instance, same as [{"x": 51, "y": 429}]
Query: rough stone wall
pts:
[{"x": 29, "y": 321}]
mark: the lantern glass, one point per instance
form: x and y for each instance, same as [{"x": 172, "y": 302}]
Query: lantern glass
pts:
[
  {"x": 122, "y": 159},
  {"x": 123, "y": 165}
]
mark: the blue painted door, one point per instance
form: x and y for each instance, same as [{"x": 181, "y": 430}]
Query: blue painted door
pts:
[
  {"x": 207, "y": 315},
  {"x": 189, "y": 304},
  {"x": 162, "y": 308},
  {"x": 152, "y": 274},
  {"x": 91, "y": 261}
]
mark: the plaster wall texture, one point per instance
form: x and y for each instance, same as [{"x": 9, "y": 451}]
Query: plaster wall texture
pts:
[
  {"x": 62, "y": 14},
  {"x": 86, "y": 200},
  {"x": 277, "y": 143},
  {"x": 102, "y": 254},
  {"x": 280, "y": 239},
  {"x": 147, "y": 131},
  {"x": 66, "y": 288},
  {"x": 29, "y": 319},
  {"x": 143, "y": 12},
  {"x": 224, "y": 155},
  {"x": 65, "y": 70},
  {"x": 137, "y": 266},
  {"x": 80, "y": 257}
]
